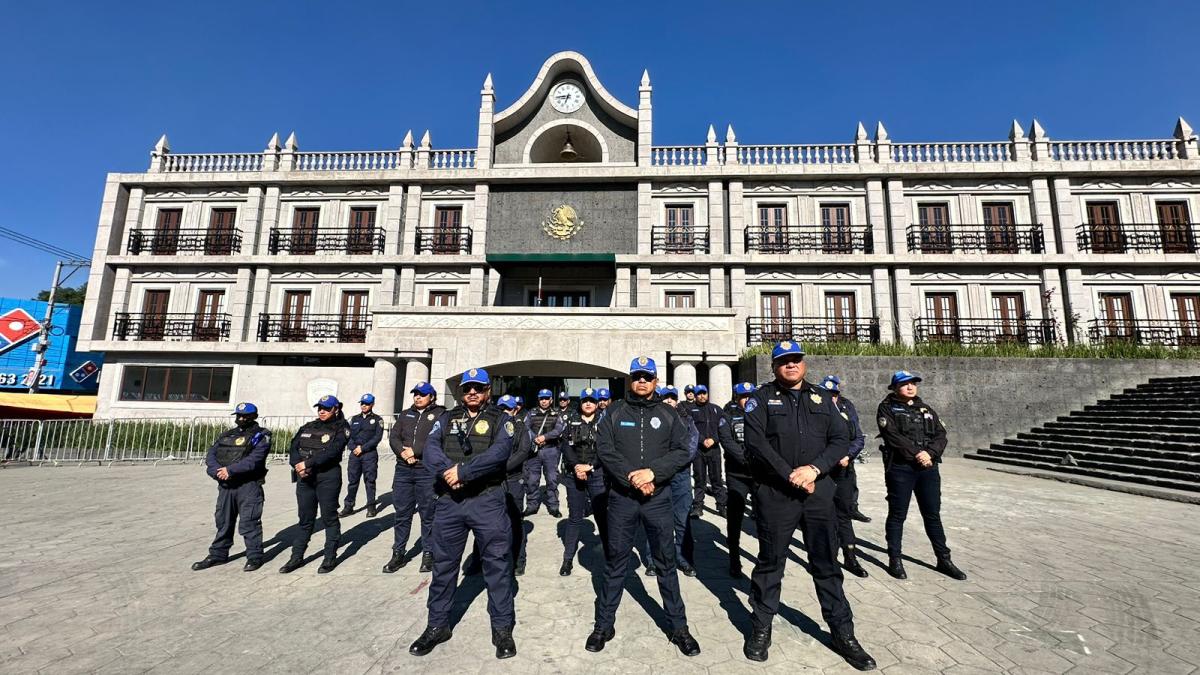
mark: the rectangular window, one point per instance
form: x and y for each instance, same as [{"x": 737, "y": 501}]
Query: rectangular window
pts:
[
  {"x": 1187, "y": 312},
  {"x": 166, "y": 232},
  {"x": 1008, "y": 310},
  {"x": 680, "y": 237},
  {"x": 443, "y": 298},
  {"x": 1174, "y": 223},
  {"x": 221, "y": 228},
  {"x": 447, "y": 229},
  {"x": 1116, "y": 316},
  {"x": 934, "y": 220},
  {"x": 304, "y": 231},
  {"x": 772, "y": 224},
  {"x": 680, "y": 299},
  {"x": 1000, "y": 226},
  {"x": 564, "y": 299},
  {"x": 295, "y": 316},
  {"x": 835, "y": 228},
  {"x": 776, "y": 316},
  {"x": 1105, "y": 227},
  {"x": 207, "y": 327},
  {"x": 361, "y": 239},
  {"x": 178, "y": 384},
  {"x": 154, "y": 314},
  {"x": 840, "y": 316},
  {"x": 352, "y": 326},
  {"x": 941, "y": 310}
]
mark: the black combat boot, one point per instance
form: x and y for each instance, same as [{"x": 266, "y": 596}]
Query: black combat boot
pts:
[
  {"x": 347, "y": 511},
  {"x": 947, "y": 567},
  {"x": 555, "y": 512},
  {"x": 294, "y": 563},
  {"x": 852, "y": 565},
  {"x": 432, "y": 637},
  {"x": 328, "y": 564},
  {"x": 735, "y": 567},
  {"x": 506, "y": 647},
  {"x": 371, "y": 511},
  {"x": 565, "y": 570},
  {"x": 687, "y": 644},
  {"x": 722, "y": 510},
  {"x": 529, "y": 511},
  {"x": 426, "y": 561},
  {"x": 896, "y": 568},
  {"x": 599, "y": 637},
  {"x": 651, "y": 570},
  {"x": 757, "y": 644},
  {"x": 519, "y": 569},
  {"x": 848, "y": 648},
  {"x": 399, "y": 559},
  {"x": 473, "y": 566},
  {"x": 859, "y": 516},
  {"x": 685, "y": 568},
  {"x": 208, "y": 562},
  {"x": 252, "y": 564}
]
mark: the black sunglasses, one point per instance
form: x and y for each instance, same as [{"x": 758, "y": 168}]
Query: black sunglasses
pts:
[
  {"x": 472, "y": 389},
  {"x": 641, "y": 377}
]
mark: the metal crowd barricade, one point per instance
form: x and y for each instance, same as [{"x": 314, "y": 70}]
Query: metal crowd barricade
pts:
[{"x": 101, "y": 441}]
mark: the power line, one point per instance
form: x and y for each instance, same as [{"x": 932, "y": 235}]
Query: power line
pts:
[{"x": 40, "y": 245}]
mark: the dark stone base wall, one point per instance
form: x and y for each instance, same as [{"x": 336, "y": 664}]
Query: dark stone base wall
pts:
[{"x": 982, "y": 401}]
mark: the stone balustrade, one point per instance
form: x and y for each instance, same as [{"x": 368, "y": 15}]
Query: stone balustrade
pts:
[{"x": 795, "y": 154}]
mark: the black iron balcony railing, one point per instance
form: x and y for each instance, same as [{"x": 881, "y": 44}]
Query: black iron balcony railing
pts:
[
  {"x": 304, "y": 241},
  {"x": 313, "y": 328},
  {"x": 985, "y": 331},
  {"x": 171, "y": 327},
  {"x": 1164, "y": 332},
  {"x": 443, "y": 240},
  {"x": 689, "y": 240},
  {"x": 812, "y": 329},
  {"x": 974, "y": 238},
  {"x": 1143, "y": 237},
  {"x": 171, "y": 242},
  {"x": 809, "y": 239}
]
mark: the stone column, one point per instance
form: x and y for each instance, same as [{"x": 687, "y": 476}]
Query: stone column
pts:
[
  {"x": 716, "y": 217},
  {"x": 720, "y": 383},
  {"x": 737, "y": 218},
  {"x": 1041, "y": 212},
  {"x": 383, "y": 385},
  {"x": 271, "y": 207},
  {"x": 621, "y": 289},
  {"x": 1054, "y": 306},
  {"x": 899, "y": 212},
  {"x": 881, "y": 299},
  {"x": 877, "y": 221},
  {"x": 645, "y": 121},
  {"x": 479, "y": 220},
  {"x": 1068, "y": 216},
  {"x": 412, "y": 220},
  {"x": 645, "y": 219},
  {"x": 685, "y": 374},
  {"x": 393, "y": 216},
  {"x": 908, "y": 305}
]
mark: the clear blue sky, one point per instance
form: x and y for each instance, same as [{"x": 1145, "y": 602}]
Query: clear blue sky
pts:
[{"x": 87, "y": 87}]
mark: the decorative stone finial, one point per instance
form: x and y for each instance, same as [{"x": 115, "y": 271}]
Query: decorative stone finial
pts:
[
  {"x": 712, "y": 134},
  {"x": 487, "y": 82},
  {"x": 1183, "y": 130},
  {"x": 425, "y": 142},
  {"x": 881, "y": 133},
  {"x": 273, "y": 144},
  {"x": 407, "y": 143},
  {"x": 1016, "y": 133},
  {"x": 729, "y": 135},
  {"x": 860, "y": 134},
  {"x": 1036, "y": 132},
  {"x": 291, "y": 143},
  {"x": 163, "y": 145},
  {"x": 646, "y": 78}
]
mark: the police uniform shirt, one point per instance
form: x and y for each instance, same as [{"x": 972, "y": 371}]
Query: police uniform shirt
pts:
[
  {"x": 581, "y": 439},
  {"x": 522, "y": 448},
  {"x": 909, "y": 428},
  {"x": 731, "y": 433},
  {"x": 366, "y": 431},
  {"x": 320, "y": 444},
  {"x": 243, "y": 452},
  {"x": 789, "y": 428},
  {"x": 640, "y": 434}
]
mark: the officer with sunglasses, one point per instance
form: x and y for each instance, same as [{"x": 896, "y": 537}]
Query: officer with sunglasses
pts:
[
  {"x": 316, "y": 459},
  {"x": 467, "y": 452}
]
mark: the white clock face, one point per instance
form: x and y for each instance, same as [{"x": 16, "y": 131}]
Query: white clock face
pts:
[{"x": 566, "y": 97}]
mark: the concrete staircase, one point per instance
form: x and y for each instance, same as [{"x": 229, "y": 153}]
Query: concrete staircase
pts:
[{"x": 1148, "y": 435}]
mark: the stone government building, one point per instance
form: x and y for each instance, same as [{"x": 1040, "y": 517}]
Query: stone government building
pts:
[{"x": 277, "y": 275}]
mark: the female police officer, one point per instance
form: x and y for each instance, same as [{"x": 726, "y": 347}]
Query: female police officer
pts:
[
  {"x": 316, "y": 459},
  {"x": 913, "y": 442}
]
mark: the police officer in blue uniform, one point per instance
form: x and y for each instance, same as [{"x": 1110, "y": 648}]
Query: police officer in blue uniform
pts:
[
  {"x": 519, "y": 411},
  {"x": 366, "y": 431},
  {"x": 412, "y": 484},
  {"x": 641, "y": 444},
  {"x": 584, "y": 477},
  {"x": 914, "y": 439},
  {"x": 604, "y": 398},
  {"x": 731, "y": 432},
  {"x": 514, "y": 486},
  {"x": 545, "y": 425},
  {"x": 706, "y": 469},
  {"x": 794, "y": 438},
  {"x": 681, "y": 494},
  {"x": 316, "y": 459},
  {"x": 845, "y": 497},
  {"x": 467, "y": 451},
  {"x": 237, "y": 461}
]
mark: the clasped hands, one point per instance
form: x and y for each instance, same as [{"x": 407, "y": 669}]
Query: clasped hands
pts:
[
  {"x": 642, "y": 480},
  {"x": 302, "y": 470},
  {"x": 451, "y": 477},
  {"x": 222, "y": 473},
  {"x": 408, "y": 456},
  {"x": 804, "y": 478},
  {"x": 582, "y": 471},
  {"x": 924, "y": 459}
]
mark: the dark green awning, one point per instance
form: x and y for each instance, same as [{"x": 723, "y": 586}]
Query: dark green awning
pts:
[{"x": 550, "y": 257}]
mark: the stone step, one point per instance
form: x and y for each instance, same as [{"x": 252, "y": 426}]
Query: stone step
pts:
[
  {"x": 1146, "y": 458},
  {"x": 1183, "y": 406},
  {"x": 1181, "y": 418},
  {"x": 1122, "y": 445},
  {"x": 1033, "y": 454},
  {"x": 1085, "y": 471},
  {"x": 1129, "y": 425},
  {"x": 1088, "y": 430}
]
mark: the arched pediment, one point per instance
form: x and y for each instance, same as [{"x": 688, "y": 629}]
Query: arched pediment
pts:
[{"x": 555, "y": 66}]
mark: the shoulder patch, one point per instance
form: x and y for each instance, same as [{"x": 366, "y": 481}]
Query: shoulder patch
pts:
[
  {"x": 882, "y": 422},
  {"x": 751, "y": 405},
  {"x": 509, "y": 428}
]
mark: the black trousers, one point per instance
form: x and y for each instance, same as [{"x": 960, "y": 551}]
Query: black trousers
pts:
[
  {"x": 625, "y": 511},
  {"x": 484, "y": 516},
  {"x": 239, "y": 506},
  {"x": 706, "y": 468},
  {"x": 902, "y": 480},
  {"x": 739, "y": 495},
  {"x": 778, "y": 514},
  {"x": 319, "y": 490},
  {"x": 366, "y": 467},
  {"x": 845, "y": 501},
  {"x": 581, "y": 494},
  {"x": 514, "y": 506}
]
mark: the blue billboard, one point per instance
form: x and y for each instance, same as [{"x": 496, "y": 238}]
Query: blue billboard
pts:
[{"x": 66, "y": 370}]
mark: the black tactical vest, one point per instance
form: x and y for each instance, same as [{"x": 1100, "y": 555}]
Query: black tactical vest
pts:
[
  {"x": 233, "y": 445},
  {"x": 583, "y": 437},
  {"x": 912, "y": 422},
  {"x": 313, "y": 441},
  {"x": 466, "y": 437}
]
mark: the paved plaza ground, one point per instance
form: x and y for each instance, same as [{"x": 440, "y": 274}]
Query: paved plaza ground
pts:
[{"x": 95, "y": 577}]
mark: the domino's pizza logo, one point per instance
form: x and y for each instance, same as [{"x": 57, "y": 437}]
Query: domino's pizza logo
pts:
[{"x": 17, "y": 327}]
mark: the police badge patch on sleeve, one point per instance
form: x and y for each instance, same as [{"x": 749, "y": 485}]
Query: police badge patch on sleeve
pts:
[
  {"x": 882, "y": 422},
  {"x": 508, "y": 428}
]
